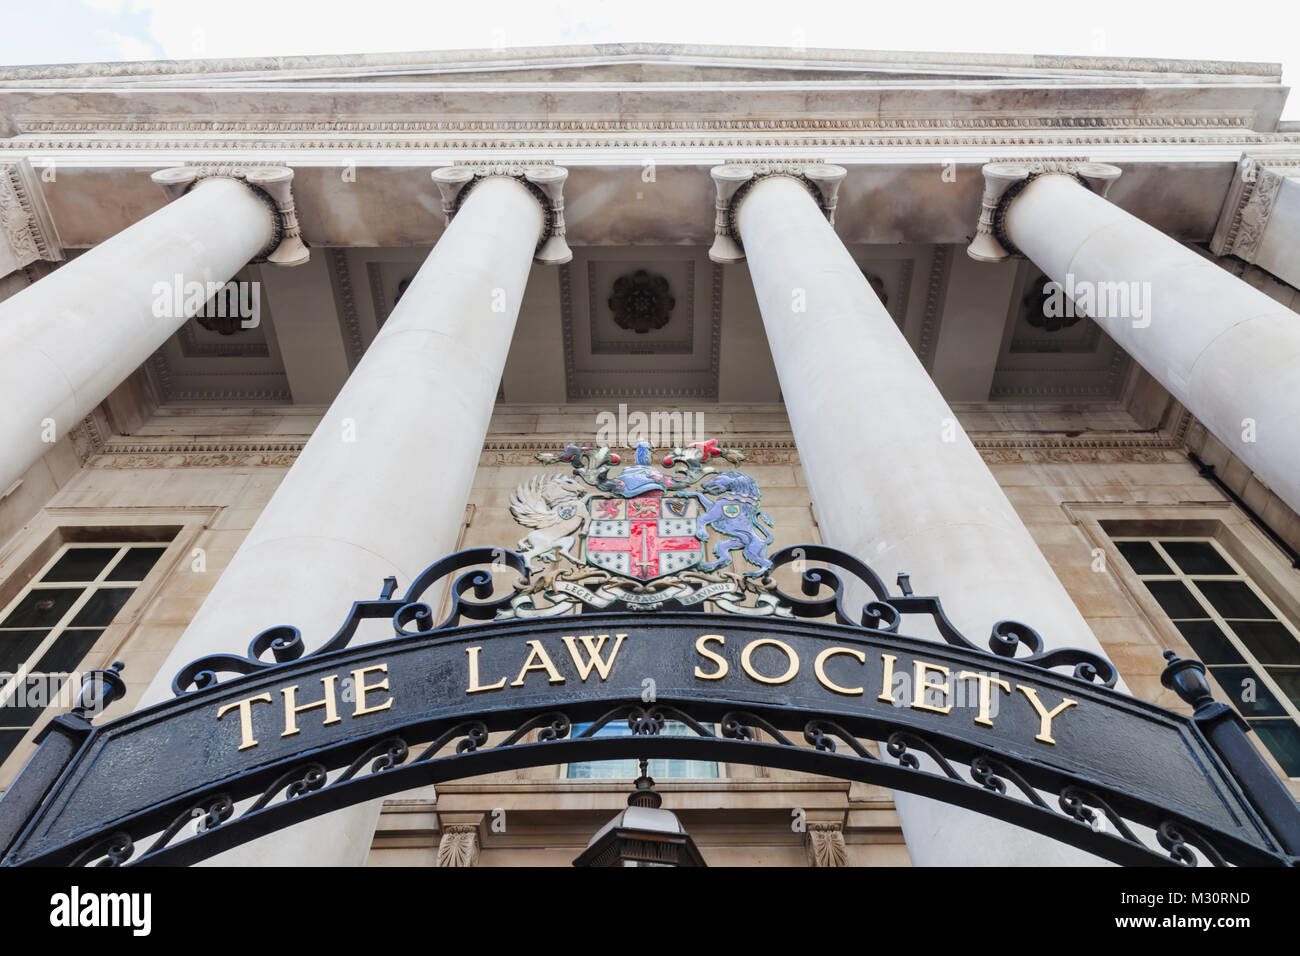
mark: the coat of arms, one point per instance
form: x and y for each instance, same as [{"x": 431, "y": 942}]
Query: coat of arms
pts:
[{"x": 642, "y": 537}]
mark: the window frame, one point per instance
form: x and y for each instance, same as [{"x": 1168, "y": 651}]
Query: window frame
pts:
[
  {"x": 31, "y": 552},
  {"x": 1248, "y": 548}
]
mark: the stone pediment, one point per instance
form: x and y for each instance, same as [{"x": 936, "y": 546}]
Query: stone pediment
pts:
[{"x": 627, "y": 63}]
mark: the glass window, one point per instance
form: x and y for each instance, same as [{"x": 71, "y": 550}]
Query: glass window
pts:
[
  {"x": 628, "y": 769},
  {"x": 1249, "y": 646},
  {"x": 51, "y": 625}
]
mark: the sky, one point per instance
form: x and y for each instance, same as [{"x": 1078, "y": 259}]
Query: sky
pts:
[{"x": 73, "y": 31}]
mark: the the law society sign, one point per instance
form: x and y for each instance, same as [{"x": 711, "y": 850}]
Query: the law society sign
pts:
[{"x": 511, "y": 682}]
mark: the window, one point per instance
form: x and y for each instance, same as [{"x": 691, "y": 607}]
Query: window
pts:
[
  {"x": 628, "y": 769},
  {"x": 50, "y": 626},
  {"x": 1250, "y": 648}
]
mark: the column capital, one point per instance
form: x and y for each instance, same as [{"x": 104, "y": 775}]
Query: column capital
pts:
[
  {"x": 272, "y": 184},
  {"x": 1003, "y": 182},
  {"x": 545, "y": 182},
  {"x": 733, "y": 182}
]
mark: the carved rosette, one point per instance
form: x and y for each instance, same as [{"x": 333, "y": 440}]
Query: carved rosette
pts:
[
  {"x": 1003, "y": 182},
  {"x": 459, "y": 846},
  {"x": 641, "y": 302},
  {"x": 733, "y": 182},
  {"x": 272, "y": 184},
  {"x": 546, "y": 183},
  {"x": 825, "y": 844}
]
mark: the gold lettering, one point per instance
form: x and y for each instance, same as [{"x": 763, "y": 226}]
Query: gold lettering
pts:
[
  {"x": 886, "y": 683},
  {"x": 819, "y": 668},
  {"x": 246, "y": 738},
  {"x": 593, "y": 653},
  {"x": 292, "y": 709},
  {"x": 986, "y": 694},
  {"x": 714, "y": 656},
  {"x": 474, "y": 685},
  {"x": 1045, "y": 716},
  {"x": 923, "y": 684},
  {"x": 362, "y": 688},
  {"x": 538, "y": 654},
  {"x": 790, "y": 671}
]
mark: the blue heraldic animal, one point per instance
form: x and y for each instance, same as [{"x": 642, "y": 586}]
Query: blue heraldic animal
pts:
[{"x": 733, "y": 512}]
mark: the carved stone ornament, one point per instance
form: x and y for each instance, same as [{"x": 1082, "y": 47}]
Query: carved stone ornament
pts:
[
  {"x": 1003, "y": 182},
  {"x": 545, "y": 182},
  {"x": 825, "y": 845},
  {"x": 1249, "y": 204},
  {"x": 641, "y": 301},
  {"x": 733, "y": 181},
  {"x": 272, "y": 184},
  {"x": 459, "y": 846},
  {"x": 25, "y": 221},
  {"x": 1045, "y": 306}
]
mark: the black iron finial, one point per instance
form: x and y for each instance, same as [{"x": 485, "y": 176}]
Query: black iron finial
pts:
[
  {"x": 645, "y": 794},
  {"x": 1187, "y": 679},
  {"x": 99, "y": 689}
]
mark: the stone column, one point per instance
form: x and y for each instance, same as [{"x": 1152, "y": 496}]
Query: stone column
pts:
[
  {"x": 893, "y": 477},
  {"x": 381, "y": 486},
  {"x": 72, "y": 337},
  {"x": 1225, "y": 350}
]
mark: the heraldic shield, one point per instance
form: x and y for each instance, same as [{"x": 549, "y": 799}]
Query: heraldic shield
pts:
[{"x": 647, "y": 537}]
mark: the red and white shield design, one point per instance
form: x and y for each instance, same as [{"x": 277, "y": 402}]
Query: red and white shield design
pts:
[{"x": 644, "y": 538}]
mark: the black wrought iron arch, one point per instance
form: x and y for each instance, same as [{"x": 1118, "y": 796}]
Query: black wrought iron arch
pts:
[
  {"x": 1070, "y": 808},
  {"x": 71, "y": 807}
]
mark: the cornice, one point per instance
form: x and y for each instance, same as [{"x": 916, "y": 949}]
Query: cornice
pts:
[{"x": 634, "y": 52}]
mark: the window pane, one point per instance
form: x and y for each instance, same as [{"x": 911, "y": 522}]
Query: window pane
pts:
[
  {"x": 136, "y": 565},
  {"x": 9, "y": 739},
  {"x": 1234, "y": 599},
  {"x": 1282, "y": 739},
  {"x": 1208, "y": 642},
  {"x": 628, "y": 769},
  {"x": 1269, "y": 641},
  {"x": 1247, "y": 692},
  {"x": 1143, "y": 557},
  {"x": 42, "y": 607},
  {"x": 1197, "y": 557},
  {"x": 101, "y": 607},
  {"x": 1177, "y": 601},
  {"x": 66, "y": 652},
  {"x": 1288, "y": 679},
  {"x": 80, "y": 564},
  {"x": 16, "y": 647},
  {"x": 29, "y": 702}
]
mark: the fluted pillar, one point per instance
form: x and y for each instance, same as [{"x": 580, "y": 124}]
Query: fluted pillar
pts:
[
  {"x": 893, "y": 477},
  {"x": 1227, "y": 351},
  {"x": 381, "y": 486},
  {"x": 72, "y": 337}
]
